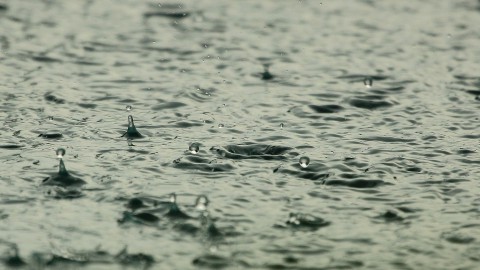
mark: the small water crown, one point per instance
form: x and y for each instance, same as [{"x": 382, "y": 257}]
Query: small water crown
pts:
[
  {"x": 208, "y": 226},
  {"x": 63, "y": 177},
  {"x": 131, "y": 130},
  {"x": 266, "y": 75},
  {"x": 174, "y": 211}
]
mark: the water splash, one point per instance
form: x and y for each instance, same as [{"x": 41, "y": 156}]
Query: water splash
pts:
[
  {"x": 130, "y": 142},
  {"x": 306, "y": 221},
  {"x": 266, "y": 75},
  {"x": 60, "y": 152},
  {"x": 174, "y": 211},
  {"x": 194, "y": 148},
  {"x": 63, "y": 177},
  {"x": 128, "y": 108},
  {"x": 209, "y": 229},
  {"x": 132, "y": 130},
  {"x": 173, "y": 198},
  {"x": 304, "y": 161},
  {"x": 201, "y": 203},
  {"x": 368, "y": 82}
]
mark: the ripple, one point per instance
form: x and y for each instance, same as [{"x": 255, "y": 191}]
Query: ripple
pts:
[
  {"x": 252, "y": 151},
  {"x": 214, "y": 261},
  {"x": 326, "y": 108},
  {"x": 168, "y": 105},
  {"x": 52, "y": 98},
  {"x": 371, "y": 102},
  {"x": 358, "y": 183},
  {"x": 202, "y": 165},
  {"x": 172, "y": 11}
]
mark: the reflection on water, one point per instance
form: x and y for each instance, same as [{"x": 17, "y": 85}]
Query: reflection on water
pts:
[{"x": 267, "y": 135}]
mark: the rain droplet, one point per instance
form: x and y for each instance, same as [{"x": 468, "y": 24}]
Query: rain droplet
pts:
[
  {"x": 194, "y": 148},
  {"x": 304, "y": 161},
  {"x": 221, "y": 125},
  {"x": 201, "y": 203},
  {"x": 128, "y": 108},
  {"x": 368, "y": 82},
  {"x": 60, "y": 152},
  {"x": 130, "y": 121},
  {"x": 173, "y": 198}
]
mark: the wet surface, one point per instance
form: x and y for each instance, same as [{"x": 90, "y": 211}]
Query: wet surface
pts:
[{"x": 325, "y": 135}]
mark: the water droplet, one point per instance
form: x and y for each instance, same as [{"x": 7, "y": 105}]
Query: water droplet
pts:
[
  {"x": 293, "y": 219},
  {"x": 60, "y": 152},
  {"x": 201, "y": 203},
  {"x": 130, "y": 121},
  {"x": 281, "y": 125},
  {"x": 173, "y": 198},
  {"x": 128, "y": 108},
  {"x": 194, "y": 148},
  {"x": 221, "y": 125},
  {"x": 368, "y": 82},
  {"x": 129, "y": 142},
  {"x": 50, "y": 118},
  {"x": 304, "y": 161}
]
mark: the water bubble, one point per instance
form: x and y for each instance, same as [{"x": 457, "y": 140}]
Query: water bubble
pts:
[
  {"x": 368, "y": 82},
  {"x": 128, "y": 108},
  {"x": 304, "y": 161},
  {"x": 194, "y": 148},
  {"x": 60, "y": 152},
  {"x": 201, "y": 203},
  {"x": 221, "y": 125}
]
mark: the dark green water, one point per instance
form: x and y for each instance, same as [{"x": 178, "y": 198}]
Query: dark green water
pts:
[{"x": 393, "y": 180}]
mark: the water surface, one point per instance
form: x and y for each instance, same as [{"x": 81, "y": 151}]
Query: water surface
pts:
[{"x": 383, "y": 98}]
